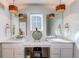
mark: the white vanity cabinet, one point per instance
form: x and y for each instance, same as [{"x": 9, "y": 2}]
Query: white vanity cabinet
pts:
[
  {"x": 19, "y": 52},
  {"x": 76, "y": 51},
  {"x": 0, "y": 50},
  {"x": 12, "y": 50},
  {"x": 61, "y": 50},
  {"x": 66, "y": 53},
  {"x": 54, "y": 52},
  {"x": 7, "y": 52}
]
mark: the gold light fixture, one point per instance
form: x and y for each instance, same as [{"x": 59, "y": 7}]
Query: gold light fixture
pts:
[
  {"x": 60, "y": 8},
  {"x": 21, "y": 16},
  {"x": 13, "y": 9},
  {"x": 51, "y": 16}
]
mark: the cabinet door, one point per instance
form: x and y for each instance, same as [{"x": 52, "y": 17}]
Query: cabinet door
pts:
[
  {"x": 54, "y": 52},
  {"x": 12, "y": 50},
  {"x": 66, "y": 53},
  {"x": 76, "y": 52},
  {"x": 0, "y": 51},
  {"x": 7, "y": 53},
  {"x": 19, "y": 52}
]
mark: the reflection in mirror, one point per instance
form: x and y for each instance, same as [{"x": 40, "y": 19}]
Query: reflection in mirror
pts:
[
  {"x": 50, "y": 24},
  {"x": 55, "y": 25},
  {"x": 13, "y": 25}
]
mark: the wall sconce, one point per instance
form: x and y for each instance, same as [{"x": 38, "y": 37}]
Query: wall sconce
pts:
[
  {"x": 51, "y": 16},
  {"x": 21, "y": 16}
]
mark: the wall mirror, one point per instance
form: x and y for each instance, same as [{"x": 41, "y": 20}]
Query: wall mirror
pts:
[
  {"x": 22, "y": 24},
  {"x": 54, "y": 25},
  {"x": 50, "y": 24}
]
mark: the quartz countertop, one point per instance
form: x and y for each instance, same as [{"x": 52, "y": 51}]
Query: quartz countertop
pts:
[
  {"x": 28, "y": 42},
  {"x": 43, "y": 43},
  {"x": 12, "y": 40}
]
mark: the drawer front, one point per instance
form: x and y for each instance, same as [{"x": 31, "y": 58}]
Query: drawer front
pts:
[{"x": 54, "y": 50}]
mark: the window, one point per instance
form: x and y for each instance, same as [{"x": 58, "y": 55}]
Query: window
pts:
[{"x": 36, "y": 21}]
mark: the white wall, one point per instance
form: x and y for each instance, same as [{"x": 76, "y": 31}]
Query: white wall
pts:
[
  {"x": 72, "y": 17},
  {"x": 4, "y": 19}
]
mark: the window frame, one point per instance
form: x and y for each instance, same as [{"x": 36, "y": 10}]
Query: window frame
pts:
[{"x": 31, "y": 19}]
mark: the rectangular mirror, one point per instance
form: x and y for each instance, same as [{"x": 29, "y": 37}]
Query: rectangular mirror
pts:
[{"x": 23, "y": 25}]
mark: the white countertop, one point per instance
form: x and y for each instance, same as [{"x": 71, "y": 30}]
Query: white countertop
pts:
[
  {"x": 12, "y": 41},
  {"x": 31, "y": 43},
  {"x": 43, "y": 43}
]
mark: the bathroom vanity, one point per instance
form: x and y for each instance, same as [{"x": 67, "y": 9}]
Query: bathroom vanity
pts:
[
  {"x": 18, "y": 49},
  {"x": 12, "y": 48},
  {"x": 0, "y": 50},
  {"x": 55, "y": 49}
]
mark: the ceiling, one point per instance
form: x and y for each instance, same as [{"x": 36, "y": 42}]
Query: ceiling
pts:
[{"x": 24, "y": 3}]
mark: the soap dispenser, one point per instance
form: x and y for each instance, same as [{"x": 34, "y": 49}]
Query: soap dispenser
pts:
[{"x": 7, "y": 31}]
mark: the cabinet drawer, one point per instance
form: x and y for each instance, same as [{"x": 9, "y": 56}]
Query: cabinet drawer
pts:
[{"x": 54, "y": 51}]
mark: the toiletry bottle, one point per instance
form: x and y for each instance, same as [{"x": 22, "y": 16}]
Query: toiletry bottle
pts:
[{"x": 7, "y": 31}]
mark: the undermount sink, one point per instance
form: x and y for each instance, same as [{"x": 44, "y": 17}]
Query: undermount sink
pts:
[{"x": 58, "y": 40}]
